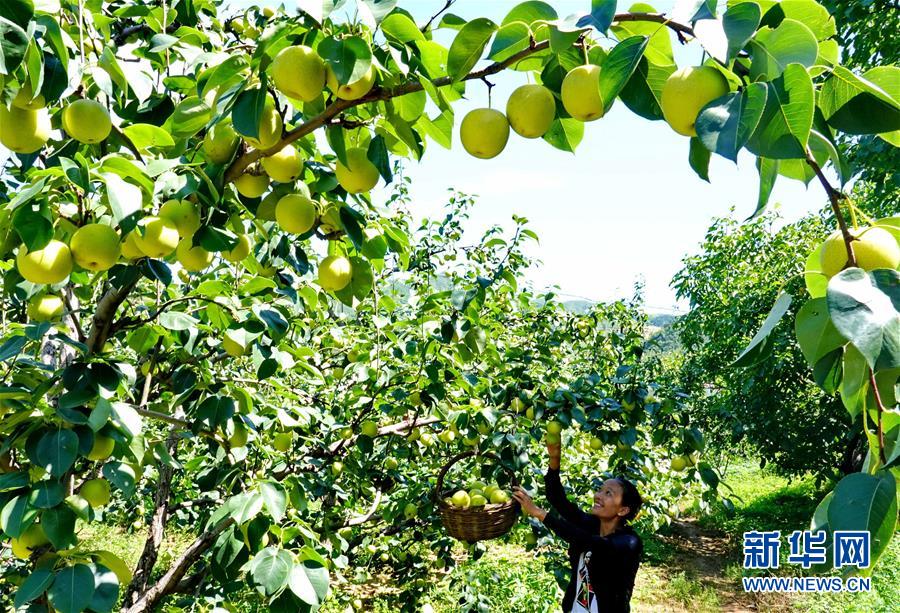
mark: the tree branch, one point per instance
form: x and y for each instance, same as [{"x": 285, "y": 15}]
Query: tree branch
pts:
[
  {"x": 446, "y": 6},
  {"x": 155, "y": 531},
  {"x": 103, "y": 315},
  {"x": 241, "y": 164},
  {"x": 834, "y": 196},
  {"x": 169, "y": 582},
  {"x": 361, "y": 519},
  {"x": 880, "y": 407}
]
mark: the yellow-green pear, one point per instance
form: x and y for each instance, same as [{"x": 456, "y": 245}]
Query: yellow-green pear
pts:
[
  {"x": 49, "y": 265},
  {"x": 580, "y": 93},
  {"x": 298, "y": 72},
  {"x": 270, "y": 127},
  {"x": 484, "y": 133},
  {"x": 554, "y": 427},
  {"x": 156, "y": 237},
  {"x": 531, "y": 110},
  {"x": 284, "y": 166},
  {"x": 193, "y": 258},
  {"x": 96, "y": 492},
  {"x": 369, "y": 428},
  {"x": 460, "y": 499},
  {"x": 33, "y": 536},
  {"x": 102, "y": 448},
  {"x": 296, "y": 213},
  {"x": 360, "y": 174},
  {"x": 220, "y": 142},
  {"x": 678, "y": 463},
  {"x": 130, "y": 249},
  {"x": 184, "y": 214},
  {"x": 335, "y": 273},
  {"x": 351, "y": 91},
  {"x": 24, "y": 130},
  {"x": 874, "y": 248},
  {"x": 499, "y": 497},
  {"x": 87, "y": 121},
  {"x": 47, "y": 307},
  {"x": 283, "y": 441},
  {"x": 95, "y": 247},
  {"x": 686, "y": 92},
  {"x": 251, "y": 186},
  {"x": 25, "y": 98},
  {"x": 239, "y": 251}
]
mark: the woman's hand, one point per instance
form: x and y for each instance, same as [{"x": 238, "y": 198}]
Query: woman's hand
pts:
[{"x": 527, "y": 504}]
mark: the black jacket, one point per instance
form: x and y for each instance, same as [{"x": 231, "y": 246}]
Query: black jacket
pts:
[{"x": 614, "y": 558}]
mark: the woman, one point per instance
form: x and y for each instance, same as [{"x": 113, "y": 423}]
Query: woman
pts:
[{"x": 604, "y": 551}]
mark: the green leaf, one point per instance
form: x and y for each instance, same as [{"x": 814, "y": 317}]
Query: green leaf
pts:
[
  {"x": 726, "y": 124},
  {"x": 601, "y": 15},
  {"x": 854, "y": 380},
  {"x": 124, "y": 198},
  {"x": 740, "y": 22},
  {"x": 274, "y": 499},
  {"x": 72, "y": 589},
  {"x": 565, "y": 134},
  {"x": 659, "y": 49},
  {"x": 248, "y": 110},
  {"x": 13, "y": 43},
  {"x": 529, "y": 13},
  {"x": 59, "y": 526},
  {"x": 863, "y": 314},
  {"x": 13, "y": 481},
  {"x": 809, "y": 12},
  {"x": 400, "y": 28},
  {"x": 694, "y": 10},
  {"x": 309, "y": 582},
  {"x": 510, "y": 39},
  {"x": 47, "y": 494},
  {"x": 350, "y": 58},
  {"x": 11, "y": 347},
  {"x": 768, "y": 172},
  {"x": 618, "y": 67},
  {"x": 377, "y": 153},
  {"x": 698, "y": 157},
  {"x": 816, "y": 335},
  {"x": 19, "y": 12},
  {"x": 866, "y": 502},
  {"x": 773, "y": 50},
  {"x": 16, "y": 516},
  {"x": 161, "y": 42},
  {"x": 270, "y": 569},
  {"x": 468, "y": 46},
  {"x": 758, "y": 342},
  {"x": 145, "y": 135},
  {"x": 177, "y": 321},
  {"x": 643, "y": 92},
  {"x": 33, "y": 224},
  {"x": 121, "y": 475},
  {"x": 106, "y": 589},
  {"x": 439, "y": 129},
  {"x": 34, "y": 585},
  {"x": 869, "y": 104},
  {"x": 783, "y": 130},
  {"x": 56, "y": 451}
]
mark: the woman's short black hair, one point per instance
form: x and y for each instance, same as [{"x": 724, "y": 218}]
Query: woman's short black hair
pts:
[{"x": 631, "y": 498}]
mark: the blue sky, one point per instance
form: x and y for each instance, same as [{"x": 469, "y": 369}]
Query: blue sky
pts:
[{"x": 625, "y": 207}]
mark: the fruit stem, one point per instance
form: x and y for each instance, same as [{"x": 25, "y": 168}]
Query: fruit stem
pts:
[
  {"x": 880, "y": 407},
  {"x": 834, "y": 196}
]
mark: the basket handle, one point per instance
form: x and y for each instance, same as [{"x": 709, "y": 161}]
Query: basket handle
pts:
[{"x": 467, "y": 454}]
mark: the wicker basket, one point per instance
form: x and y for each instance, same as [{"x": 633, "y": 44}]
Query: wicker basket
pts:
[{"x": 475, "y": 523}]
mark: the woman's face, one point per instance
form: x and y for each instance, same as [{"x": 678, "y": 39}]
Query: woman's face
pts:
[{"x": 608, "y": 501}]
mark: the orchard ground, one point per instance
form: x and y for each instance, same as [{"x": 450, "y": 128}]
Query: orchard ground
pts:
[{"x": 693, "y": 565}]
